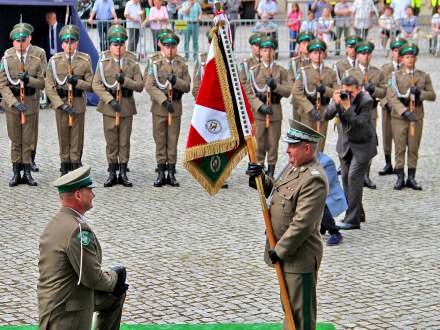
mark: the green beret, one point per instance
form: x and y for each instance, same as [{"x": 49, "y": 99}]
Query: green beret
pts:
[
  {"x": 316, "y": 44},
  {"x": 77, "y": 179},
  {"x": 26, "y": 26},
  {"x": 352, "y": 40},
  {"x": 117, "y": 34},
  {"x": 169, "y": 39},
  {"x": 255, "y": 38},
  {"x": 162, "y": 32},
  {"x": 305, "y": 36},
  {"x": 19, "y": 33},
  {"x": 409, "y": 49},
  {"x": 364, "y": 47},
  {"x": 299, "y": 132},
  {"x": 268, "y": 42},
  {"x": 69, "y": 32},
  {"x": 398, "y": 43}
]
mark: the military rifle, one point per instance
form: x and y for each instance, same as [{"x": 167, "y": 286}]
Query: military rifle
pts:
[
  {"x": 69, "y": 85},
  {"x": 412, "y": 101},
  {"x": 170, "y": 97},
  {"x": 318, "y": 94},
  {"x": 22, "y": 116},
  {"x": 269, "y": 93},
  {"x": 118, "y": 89}
]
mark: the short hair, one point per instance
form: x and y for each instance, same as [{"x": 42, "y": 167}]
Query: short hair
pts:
[
  {"x": 389, "y": 8},
  {"x": 350, "y": 81}
]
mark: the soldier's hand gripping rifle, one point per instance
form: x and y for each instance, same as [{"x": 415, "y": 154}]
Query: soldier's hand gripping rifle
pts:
[
  {"x": 118, "y": 89},
  {"x": 170, "y": 98},
  {"x": 412, "y": 102},
  {"x": 22, "y": 116},
  {"x": 69, "y": 85},
  {"x": 318, "y": 94}
]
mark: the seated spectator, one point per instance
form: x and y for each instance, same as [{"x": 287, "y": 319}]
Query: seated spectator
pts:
[
  {"x": 325, "y": 26},
  {"x": 158, "y": 19},
  {"x": 435, "y": 27},
  {"x": 294, "y": 23},
  {"x": 265, "y": 25},
  {"x": 310, "y": 24},
  {"x": 318, "y": 7},
  {"x": 269, "y": 7},
  {"x": 388, "y": 27},
  {"x": 410, "y": 25}
]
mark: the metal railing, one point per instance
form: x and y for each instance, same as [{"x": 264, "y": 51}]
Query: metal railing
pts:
[{"x": 242, "y": 29}]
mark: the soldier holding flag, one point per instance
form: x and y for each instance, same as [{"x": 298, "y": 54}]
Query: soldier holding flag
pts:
[
  {"x": 21, "y": 76},
  {"x": 116, "y": 77},
  {"x": 69, "y": 75}
]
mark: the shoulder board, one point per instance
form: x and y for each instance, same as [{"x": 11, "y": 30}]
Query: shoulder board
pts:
[
  {"x": 315, "y": 172},
  {"x": 10, "y": 51},
  {"x": 255, "y": 67},
  {"x": 154, "y": 55},
  {"x": 131, "y": 55},
  {"x": 104, "y": 56},
  {"x": 34, "y": 57},
  {"x": 83, "y": 56},
  {"x": 57, "y": 55},
  {"x": 179, "y": 58}
]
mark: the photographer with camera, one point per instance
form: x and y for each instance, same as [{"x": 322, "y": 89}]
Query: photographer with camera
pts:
[{"x": 356, "y": 145}]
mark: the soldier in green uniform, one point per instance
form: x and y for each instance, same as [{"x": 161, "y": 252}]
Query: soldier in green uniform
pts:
[
  {"x": 297, "y": 201},
  {"x": 41, "y": 54},
  {"x": 166, "y": 80},
  {"x": 72, "y": 284},
  {"x": 313, "y": 89},
  {"x": 297, "y": 63},
  {"x": 21, "y": 76},
  {"x": 156, "y": 55},
  {"x": 387, "y": 134},
  {"x": 254, "y": 59},
  {"x": 408, "y": 89},
  {"x": 69, "y": 69},
  {"x": 349, "y": 62},
  {"x": 117, "y": 76},
  {"x": 267, "y": 84},
  {"x": 373, "y": 82}
]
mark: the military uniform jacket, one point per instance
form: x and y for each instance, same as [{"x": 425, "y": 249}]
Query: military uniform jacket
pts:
[
  {"x": 104, "y": 83},
  {"x": 296, "y": 208},
  {"x": 56, "y": 79},
  {"x": 10, "y": 84},
  {"x": 294, "y": 65},
  {"x": 256, "y": 89},
  {"x": 304, "y": 89},
  {"x": 399, "y": 96},
  {"x": 199, "y": 69},
  {"x": 156, "y": 84},
  {"x": 341, "y": 67},
  {"x": 247, "y": 64},
  {"x": 41, "y": 54},
  {"x": 59, "y": 267}
]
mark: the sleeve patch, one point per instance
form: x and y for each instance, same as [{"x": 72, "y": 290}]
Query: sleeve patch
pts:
[{"x": 84, "y": 237}]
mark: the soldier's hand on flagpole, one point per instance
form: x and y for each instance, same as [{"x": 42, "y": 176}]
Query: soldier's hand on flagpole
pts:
[
  {"x": 265, "y": 109},
  {"x": 273, "y": 256},
  {"x": 172, "y": 78},
  {"x": 20, "y": 106},
  {"x": 24, "y": 77},
  {"x": 120, "y": 77},
  {"x": 168, "y": 106},
  {"x": 115, "y": 105},
  {"x": 73, "y": 80},
  {"x": 271, "y": 83}
]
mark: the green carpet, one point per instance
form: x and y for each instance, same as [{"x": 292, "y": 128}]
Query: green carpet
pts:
[{"x": 260, "y": 326}]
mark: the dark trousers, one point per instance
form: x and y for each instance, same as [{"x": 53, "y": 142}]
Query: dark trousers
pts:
[
  {"x": 102, "y": 30},
  {"x": 328, "y": 222},
  {"x": 352, "y": 173},
  {"x": 133, "y": 39}
]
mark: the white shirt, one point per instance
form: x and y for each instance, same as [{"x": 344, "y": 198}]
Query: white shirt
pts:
[
  {"x": 399, "y": 7},
  {"x": 363, "y": 10},
  {"x": 53, "y": 48},
  {"x": 133, "y": 10}
]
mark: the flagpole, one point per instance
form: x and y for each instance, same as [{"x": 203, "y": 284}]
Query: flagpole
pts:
[{"x": 250, "y": 144}]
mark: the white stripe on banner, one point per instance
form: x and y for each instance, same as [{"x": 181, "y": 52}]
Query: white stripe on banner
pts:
[{"x": 211, "y": 124}]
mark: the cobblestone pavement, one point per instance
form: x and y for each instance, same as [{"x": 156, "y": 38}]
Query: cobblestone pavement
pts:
[{"x": 192, "y": 258}]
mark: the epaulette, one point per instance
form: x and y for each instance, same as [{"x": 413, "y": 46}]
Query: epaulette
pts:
[
  {"x": 57, "y": 55},
  {"x": 9, "y": 52},
  {"x": 104, "y": 56},
  {"x": 33, "y": 56},
  {"x": 131, "y": 56},
  {"x": 179, "y": 58},
  {"x": 83, "y": 56}
]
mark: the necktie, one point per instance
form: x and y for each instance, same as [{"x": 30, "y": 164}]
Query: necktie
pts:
[{"x": 52, "y": 38}]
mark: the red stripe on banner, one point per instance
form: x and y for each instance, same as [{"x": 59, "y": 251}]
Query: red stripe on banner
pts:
[
  {"x": 210, "y": 94},
  {"x": 194, "y": 138},
  {"x": 248, "y": 105}
]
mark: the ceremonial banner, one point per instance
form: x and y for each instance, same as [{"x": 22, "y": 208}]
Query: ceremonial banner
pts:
[{"x": 216, "y": 141}]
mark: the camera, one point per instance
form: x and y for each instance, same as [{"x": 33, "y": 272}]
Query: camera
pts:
[{"x": 344, "y": 95}]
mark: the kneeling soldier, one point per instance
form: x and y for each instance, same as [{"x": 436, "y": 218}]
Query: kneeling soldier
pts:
[
  {"x": 69, "y": 75},
  {"x": 117, "y": 76},
  {"x": 313, "y": 90},
  {"x": 166, "y": 81},
  {"x": 408, "y": 89},
  {"x": 267, "y": 84},
  {"x": 21, "y": 76}
]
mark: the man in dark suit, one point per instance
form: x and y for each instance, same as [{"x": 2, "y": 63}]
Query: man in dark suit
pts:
[
  {"x": 52, "y": 44},
  {"x": 357, "y": 142}
]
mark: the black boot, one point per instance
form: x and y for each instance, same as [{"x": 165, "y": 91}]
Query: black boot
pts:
[
  {"x": 400, "y": 182},
  {"x": 160, "y": 180},
  {"x": 112, "y": 178},
  {"x": 74, "y": 166},
  {"x": 270, "y": 170},
  {"x": 367, "y": 181},
  {"x": 16, "y": 177},
  {"x": 122, "y": 178},
  {"x": 64, "y": 169},
  {"x": 171, "y": 178},
  {"x": 27, "y": 176},
  {"x": 34, "y": 167},
  {"x": 411, "y": 181},
  {"x": 388, "y": 168}
]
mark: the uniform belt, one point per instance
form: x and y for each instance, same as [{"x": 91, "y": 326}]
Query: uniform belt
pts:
[
  {"x": 274, "y": 97},
  {"x": 177, "y": 95},
  {"x": 125, "y": 92},
  {"x": 64, "y": 93},
  {"x": 28, "y": 91}
]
